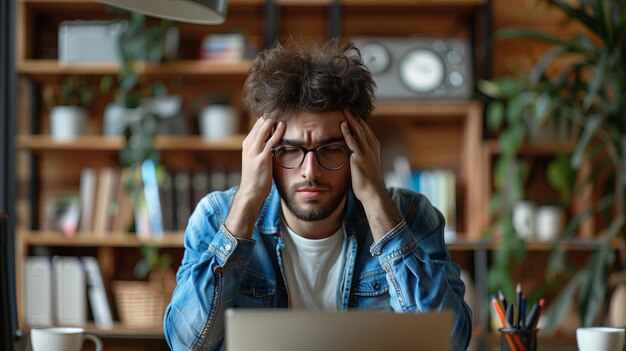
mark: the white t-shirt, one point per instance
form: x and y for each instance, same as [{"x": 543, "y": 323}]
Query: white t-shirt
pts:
[{"x": 313, "y": 268}]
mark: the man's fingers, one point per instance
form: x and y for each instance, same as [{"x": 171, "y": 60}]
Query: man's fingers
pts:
[
  {"x": 259, "y": 133},
  {"x": 347, "y": 135},
  {"x": 355, "y": 128},
  {"x": 276, "y": 136}
]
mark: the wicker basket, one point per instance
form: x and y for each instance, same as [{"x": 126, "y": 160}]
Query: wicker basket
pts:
[{"x": 143, "y": 303}]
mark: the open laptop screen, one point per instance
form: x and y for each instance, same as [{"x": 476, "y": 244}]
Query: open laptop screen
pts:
[{"x": 303, "y": 330}]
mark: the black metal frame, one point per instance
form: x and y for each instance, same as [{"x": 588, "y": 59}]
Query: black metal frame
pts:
[{"x": 8, "y": 84}]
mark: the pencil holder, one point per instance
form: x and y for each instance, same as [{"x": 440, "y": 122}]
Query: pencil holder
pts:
[{"x": 512, "y": 339}]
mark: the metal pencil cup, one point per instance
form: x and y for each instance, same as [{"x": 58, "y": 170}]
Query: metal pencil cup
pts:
[{"x": 513, "y": 339}]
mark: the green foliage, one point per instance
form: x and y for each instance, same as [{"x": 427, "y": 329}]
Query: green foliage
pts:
[
  {"x": 588, "y": 91},
  {"x": 152, "y": 259},
  {"x": 139, "y": 43},
  {"x": 72, "y": 91}
]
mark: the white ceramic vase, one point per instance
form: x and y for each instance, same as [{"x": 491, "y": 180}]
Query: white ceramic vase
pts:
[
  {"x": 219, "y": 121},
  {"x": 67, "y": 122}
]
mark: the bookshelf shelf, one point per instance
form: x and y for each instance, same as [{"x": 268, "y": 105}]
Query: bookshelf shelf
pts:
[
  {"x": 492, "y": 147},
  {"x": 187, "y": 68},
  {"x": 45, "y": 143},
  {"x": 34, "y": 238},
  {"x": 420, "y": 110}
]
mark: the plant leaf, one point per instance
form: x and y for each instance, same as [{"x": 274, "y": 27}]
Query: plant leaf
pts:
[
  {"x": 495, "y": 115},
  {"x": 559, "y": 307},
  {"x": 592, "y": 125},
  {"x": 578, "y": 14},
  {"x": 572, "y": 46},
  {"x": 596, "y": 82}
]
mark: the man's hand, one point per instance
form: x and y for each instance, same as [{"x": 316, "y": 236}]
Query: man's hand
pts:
[
  {"x": 256, "y": 176},
  {"x": 367, "y": 176}
]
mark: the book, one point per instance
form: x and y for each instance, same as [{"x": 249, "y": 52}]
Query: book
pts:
[
  {"x": 107, "y": 189},
  {"x": 38, "y": 291},
  {"x": 166, "y": 194},
  {"x": 70, "y": 302},
  {"x": 183, "y": 199},
  {"x": 200, "y": 185},
  {"x": 151, "y": 194},
  {"x": 123, "y": 218},
  {"x": 96, "y": 292},
  {"x": 87, "y": 198}
]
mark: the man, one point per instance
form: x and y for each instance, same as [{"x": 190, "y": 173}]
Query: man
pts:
[{"x": 311, "y": 224}]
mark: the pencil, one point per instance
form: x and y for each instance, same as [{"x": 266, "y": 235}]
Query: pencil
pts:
[
  {"x": 522, "y": 310},
  {"x": 500, "y": 313},
  {"x": 518, "y": 303},
  {"x": 502, "y": 299}
]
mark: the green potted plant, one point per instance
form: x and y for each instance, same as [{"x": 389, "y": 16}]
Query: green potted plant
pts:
[
  {"x": 133, "y": 113},
  {"x": 589, "y": 91},
  {"x": 68, "y": 105}
]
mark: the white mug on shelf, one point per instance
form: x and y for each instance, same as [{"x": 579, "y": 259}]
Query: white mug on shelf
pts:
[
  {"x": 549, "y": 222},
  {"x": 61, "y": 339},
  {"x": 600, "y": 339},
  {"x": 219, "y": 121},
  {"x": 524, "y": 219}
]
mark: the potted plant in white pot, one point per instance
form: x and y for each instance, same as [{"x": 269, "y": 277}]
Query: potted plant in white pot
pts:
[
  {"x": 68, "y": 105},
  {"x": 588, "y": 90}
]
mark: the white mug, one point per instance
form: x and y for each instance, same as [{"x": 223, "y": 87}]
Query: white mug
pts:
[
  {"x": 61, "y": 339},
  {"x": 600, "y": 339},
  {"x": 524, "y": 219},
  {"x": 219, "y": 121},
  {"x": 549, "y": 222}
]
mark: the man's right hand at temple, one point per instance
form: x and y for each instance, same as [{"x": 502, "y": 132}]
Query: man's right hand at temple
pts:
[{"x": 256, "y": 176}]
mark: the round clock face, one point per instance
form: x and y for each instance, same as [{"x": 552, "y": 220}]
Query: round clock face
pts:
[
  {"x": 376, "y": 57},
  {"x": 421, "y": 70}
]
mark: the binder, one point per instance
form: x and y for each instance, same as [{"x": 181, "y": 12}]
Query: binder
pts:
[
  {"x": 38, "y": 291},
  {"x": 100, "y": 308},
  {"x": 69, "y": 291}
]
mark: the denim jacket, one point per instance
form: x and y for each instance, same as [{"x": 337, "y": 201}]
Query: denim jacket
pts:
[{"x": 408, "y": 270}]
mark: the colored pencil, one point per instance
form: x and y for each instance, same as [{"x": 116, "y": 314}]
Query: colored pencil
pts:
[{"x": 514, "y": 343}]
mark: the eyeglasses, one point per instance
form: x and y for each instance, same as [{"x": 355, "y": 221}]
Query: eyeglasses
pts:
[{"x": 331, "y": 156}]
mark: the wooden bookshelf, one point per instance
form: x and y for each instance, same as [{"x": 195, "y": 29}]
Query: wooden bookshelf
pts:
[
  {"x": 34, "y": 238},
  {"x": 44, "y": 143},
  {"x": 186, "y": 68}
]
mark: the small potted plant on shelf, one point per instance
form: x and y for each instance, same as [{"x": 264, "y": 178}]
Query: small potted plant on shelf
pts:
[
  {"x": 588, "y": 90},
  {"x": 68, "y": 105}
]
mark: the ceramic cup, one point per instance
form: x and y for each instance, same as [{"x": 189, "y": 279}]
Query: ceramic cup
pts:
[
  {"x": 549, "y": 222},
  {"x": 61, "y": 339},
  {"x": 524, "y": 219},
  {"x": 600, "y": 339},
  {"x": 219, "y": 121}
]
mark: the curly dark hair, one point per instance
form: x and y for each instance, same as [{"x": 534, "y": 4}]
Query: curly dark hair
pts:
[{"x": 323, "y": 77}]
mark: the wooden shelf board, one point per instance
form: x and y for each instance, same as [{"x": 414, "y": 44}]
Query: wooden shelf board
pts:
[
  {"x": 32, "y": 238},
  {"x": 436, "y": 110},
  {"x": 190, "y": 68},
  {"x": 119, "y": 330},
  {"x": 570, "y": 244},
  {"x": 43, "y": 143},
  {"x": 536, "y": 149}
]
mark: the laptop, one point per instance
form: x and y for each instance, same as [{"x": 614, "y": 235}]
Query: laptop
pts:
[{"x": 304, "y": 330}]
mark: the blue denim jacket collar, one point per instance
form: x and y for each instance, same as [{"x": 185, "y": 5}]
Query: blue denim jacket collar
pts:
[{"x": 268, "y": 222}]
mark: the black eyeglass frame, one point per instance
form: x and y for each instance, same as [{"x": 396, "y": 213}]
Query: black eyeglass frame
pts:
[{"x": 315, "y": 151}]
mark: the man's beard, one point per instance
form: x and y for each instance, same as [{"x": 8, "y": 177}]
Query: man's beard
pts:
[{"x": 314, "y": 214}]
